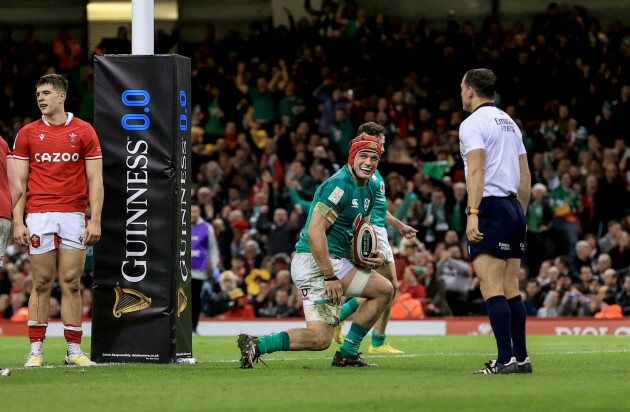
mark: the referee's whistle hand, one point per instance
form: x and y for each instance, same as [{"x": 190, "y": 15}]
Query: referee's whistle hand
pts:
[
  {"x": 472, "y": 229},
  {"x": 475, "y": 237}
]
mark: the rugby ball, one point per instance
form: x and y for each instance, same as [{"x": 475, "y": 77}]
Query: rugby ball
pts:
[{"x": 364, "y": 243}]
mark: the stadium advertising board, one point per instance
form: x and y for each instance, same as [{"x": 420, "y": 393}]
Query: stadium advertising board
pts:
[
  {"x": 141, "y": 310},
  {"x": 545, "y": 326}
]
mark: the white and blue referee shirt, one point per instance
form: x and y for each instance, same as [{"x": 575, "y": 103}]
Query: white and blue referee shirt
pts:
[{"x": 490, "y": 128}]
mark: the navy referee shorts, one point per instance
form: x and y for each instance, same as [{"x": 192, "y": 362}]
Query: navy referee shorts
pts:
[{"x": 503, "y": 224}]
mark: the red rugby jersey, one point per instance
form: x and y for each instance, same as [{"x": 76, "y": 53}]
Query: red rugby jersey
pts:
[
  {"x": 57, "y": 155},
  {"x": 5, "y": 193}
]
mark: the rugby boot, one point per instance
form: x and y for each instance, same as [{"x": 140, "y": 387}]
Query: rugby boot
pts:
[
  {"x": 78, "y": 359},
  {"x": 354, "y": 361},
  {"x": 525, "y": 366},
  {"x": 34, "y": 360},
  {"x": 384, "y": 348},
  {"x": 337, "y": 336},
  {"x": 250, "y": 352},
  {"x": 494, "y": 367}
]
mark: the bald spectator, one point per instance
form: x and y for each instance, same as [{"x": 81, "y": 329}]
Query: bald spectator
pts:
[
  {"x": 611, "y": 282},
  {"x": 281, "y": 234},
  {"x": 603, "y": 262},
  {"x": 582, "y": 256}
]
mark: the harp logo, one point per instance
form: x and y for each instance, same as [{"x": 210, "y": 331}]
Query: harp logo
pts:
[
  {"x": 182, "y": 301},
  {"x": 129, "y": 300}
]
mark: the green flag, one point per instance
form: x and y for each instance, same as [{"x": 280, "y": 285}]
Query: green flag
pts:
[{"x": 435, "y": 169}]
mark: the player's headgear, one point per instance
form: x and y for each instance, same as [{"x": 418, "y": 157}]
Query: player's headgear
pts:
[{"x": 361, "y": 143}]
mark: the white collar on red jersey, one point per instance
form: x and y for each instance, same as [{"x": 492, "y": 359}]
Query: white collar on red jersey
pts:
[{"x": 70, "y": 116}]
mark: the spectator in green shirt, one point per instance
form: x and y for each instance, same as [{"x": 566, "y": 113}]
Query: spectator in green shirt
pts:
[
  {"x": 539, "y": 216},
  {"x": 214, "y": 113},
  {"x": 290, "y": 106},
  {"x": 342, "y": 131},
  {"x": 262, "y": 94}
]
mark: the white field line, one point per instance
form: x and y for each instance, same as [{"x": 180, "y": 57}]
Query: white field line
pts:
[{"x": 326, "y": 358}]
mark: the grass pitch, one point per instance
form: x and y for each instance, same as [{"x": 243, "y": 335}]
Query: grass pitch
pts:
[{"x": 570, "y": 373}]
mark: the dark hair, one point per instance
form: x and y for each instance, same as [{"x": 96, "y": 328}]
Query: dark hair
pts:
[
  {"x": 564, "y": 259},
  {"x": 611, "y": 223},
  {"x": 483, "y": 82},
  {"x": 57, "y": 81},
  {"x": 371, "y": 128}
]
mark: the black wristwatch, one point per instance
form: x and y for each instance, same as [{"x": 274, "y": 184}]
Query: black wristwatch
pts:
[{"x": 469, "y": 210}]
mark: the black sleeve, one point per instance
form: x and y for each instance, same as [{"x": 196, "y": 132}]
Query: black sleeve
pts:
[
  {"x": 263, "y": 224},
  {"x": 271, "y": 201}
]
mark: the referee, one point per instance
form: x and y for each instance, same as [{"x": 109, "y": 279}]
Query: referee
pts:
[{"x": 498, "y": 183}]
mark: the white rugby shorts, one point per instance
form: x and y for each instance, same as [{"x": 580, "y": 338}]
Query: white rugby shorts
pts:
[
  {"x": 51, "y": 230},
  {"x": 383, "y": 242},
  {"x": 308, "y": 278}
]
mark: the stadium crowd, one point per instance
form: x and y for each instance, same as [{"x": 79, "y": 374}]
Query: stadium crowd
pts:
[{"x": 275, "y": 109}]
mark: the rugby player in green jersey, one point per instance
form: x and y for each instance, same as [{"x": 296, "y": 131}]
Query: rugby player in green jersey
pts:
[
  {"x": 379, "y": 217},
  {"x": 321, "y": 272}
]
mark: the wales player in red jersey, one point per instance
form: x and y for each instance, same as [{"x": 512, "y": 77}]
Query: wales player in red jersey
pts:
[{"x": 59, "y": 157}]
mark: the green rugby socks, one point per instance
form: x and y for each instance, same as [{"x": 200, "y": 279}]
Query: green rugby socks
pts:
[
  {"x": 352, "y": 342},
  {"x": 273, "y": 343},
  {"x": 349, "y": 308},
  {"x": 378, "y": 340}
]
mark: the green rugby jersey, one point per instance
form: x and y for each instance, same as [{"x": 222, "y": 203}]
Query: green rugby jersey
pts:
[
  {"x": 351, "y": 202},
  {"x": 379, "y": 213}
]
